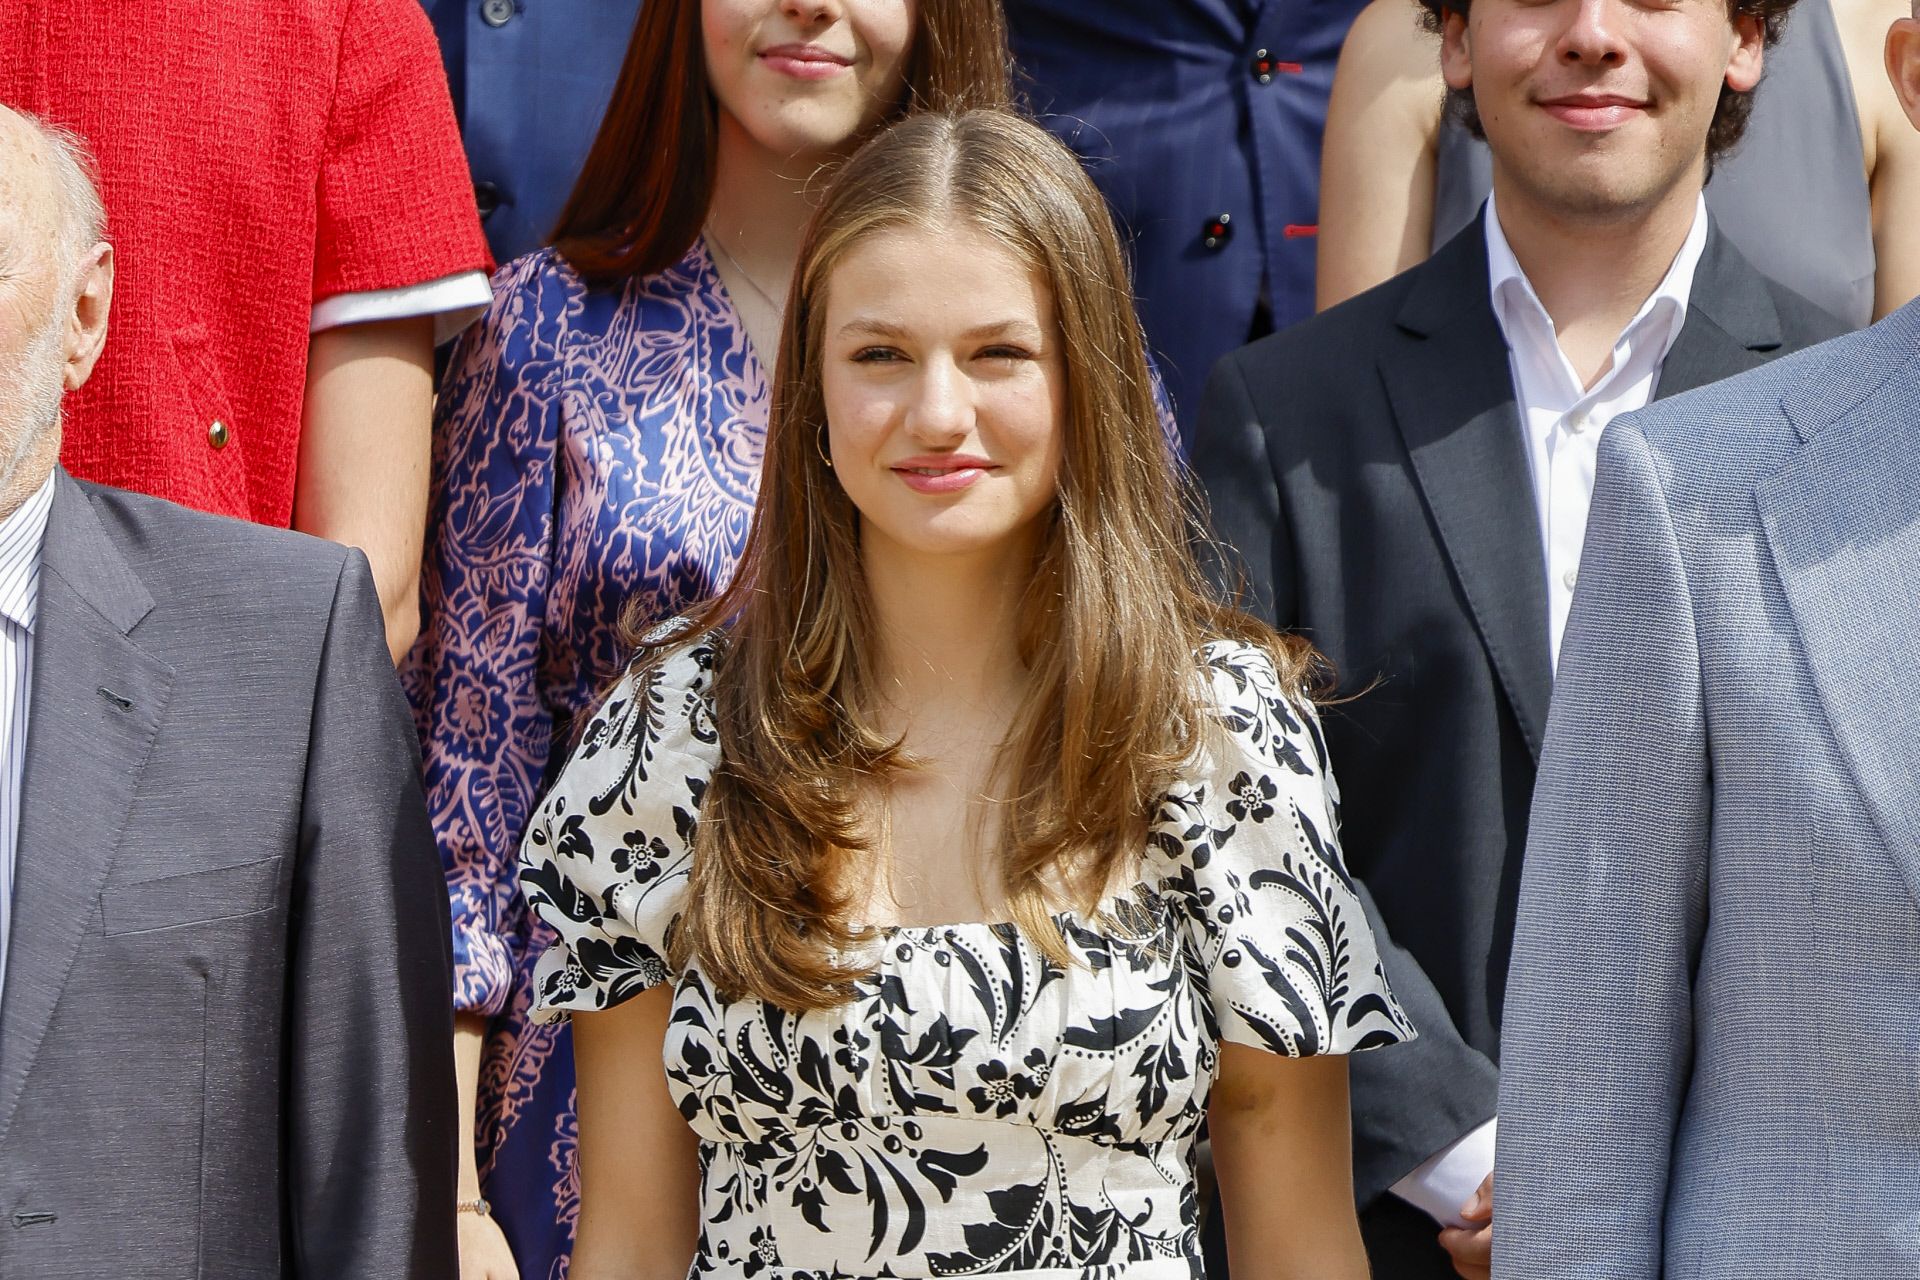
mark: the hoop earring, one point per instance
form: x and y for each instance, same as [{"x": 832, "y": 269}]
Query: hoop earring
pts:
[{"x": 820, "y": 446}]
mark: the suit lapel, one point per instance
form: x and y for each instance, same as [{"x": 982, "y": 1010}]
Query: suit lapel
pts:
[
  {"x": 1451, "y": 390},
  {"x": 97, "y": 701},
  {"x": 1732, "y": 324},
  {"x": 1842, "y": 520}
]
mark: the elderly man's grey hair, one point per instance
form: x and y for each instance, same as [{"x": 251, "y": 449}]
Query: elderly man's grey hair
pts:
[{"x": 83, "y": 216}]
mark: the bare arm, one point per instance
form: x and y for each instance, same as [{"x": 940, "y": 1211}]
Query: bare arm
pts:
[
  {"x": 1283, "y": 1154},
  {"x": 1892, "y": 149},
  {"x": 484, "y": 1254},
  {"x": 364, "y": 447},
  {"x": 639, "y": 1162},
  {"x": 1377, "y": 158}
]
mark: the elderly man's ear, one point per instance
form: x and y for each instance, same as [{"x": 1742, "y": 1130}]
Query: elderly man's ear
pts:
[{"x": 87, "y": 323}]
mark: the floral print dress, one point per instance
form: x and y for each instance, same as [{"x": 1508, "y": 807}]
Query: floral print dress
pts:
[{"x": 977, "y": 1109}]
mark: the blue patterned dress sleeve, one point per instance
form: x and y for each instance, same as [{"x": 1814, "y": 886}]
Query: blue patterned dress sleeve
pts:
[
  {"x": 1248, "y": 849},
  {"x": 474, "y": 675}
]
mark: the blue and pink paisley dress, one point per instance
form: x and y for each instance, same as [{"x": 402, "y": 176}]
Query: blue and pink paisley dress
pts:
[{"x": 591, "y": 446}]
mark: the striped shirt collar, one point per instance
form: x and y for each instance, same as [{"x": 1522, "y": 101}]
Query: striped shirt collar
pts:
[{"x": 21, "y": 537}]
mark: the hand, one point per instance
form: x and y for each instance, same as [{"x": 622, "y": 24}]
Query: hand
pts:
[
  {"x": 483, "y": 1250},
  {"x": 1471, "y": 1247}
]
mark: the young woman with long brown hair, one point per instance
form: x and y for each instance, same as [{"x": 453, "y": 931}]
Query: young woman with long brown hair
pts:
[
  {"x": 966, "y": 851},
  {"x": 598, "y": 443}
]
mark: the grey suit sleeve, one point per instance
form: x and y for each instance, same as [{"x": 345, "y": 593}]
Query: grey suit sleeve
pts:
[
  {"x": 371, "y": 1129},
  {"x": 1598, "y": 1039},
  {"x": 1417, "y": 1098}
]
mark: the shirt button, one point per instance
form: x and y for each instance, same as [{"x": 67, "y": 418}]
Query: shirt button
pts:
[
  {"x": 1579, "y": 422},
  {"x": 1263, "y": 66},
  {"x": 1217, "y": 231},
  {"x": 486, "y": 197},
  {"x": 497, "y": 13},
  {"x": 1570, "y": 577},
  {"x": 218, "y": 435}
]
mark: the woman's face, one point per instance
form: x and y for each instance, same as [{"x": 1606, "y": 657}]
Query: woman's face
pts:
[
  {"x": 946, "y": 390},
  {"x": 807, "y": 77}
]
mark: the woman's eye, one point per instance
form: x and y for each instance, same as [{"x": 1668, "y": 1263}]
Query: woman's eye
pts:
[
  {"x": 1006, "y": 351},
  {"x": 875, "y": 355}
]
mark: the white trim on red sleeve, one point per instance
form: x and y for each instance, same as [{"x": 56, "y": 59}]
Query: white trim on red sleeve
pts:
[{"x": 454, "y": 302}]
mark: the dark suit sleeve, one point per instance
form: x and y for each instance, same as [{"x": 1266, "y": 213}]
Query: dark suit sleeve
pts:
[
  {"x": 1414, "y": 1099},
  {"x": 371, "y": 1130},
  {"x": 1252, "y": 554},
  {"x": 1420, "y": 1097},
  {"x": 1613, "y": 905}
]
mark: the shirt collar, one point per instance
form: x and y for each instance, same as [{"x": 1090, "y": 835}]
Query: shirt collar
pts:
[
  {"x": 1660, "y": 317},
  {"x": 22, "y": 535}
]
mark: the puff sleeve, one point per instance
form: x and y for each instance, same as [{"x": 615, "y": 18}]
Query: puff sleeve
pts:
[
  {"x": 606, "y": 858},
  {"x": 1247, "y": 849}
]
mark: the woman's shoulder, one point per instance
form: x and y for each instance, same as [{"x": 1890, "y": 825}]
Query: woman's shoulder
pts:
[
  {"x": 1262, "y": 711},
  {"x": 1240, "y": 673},
  {"x": 573, "y": 319},
  {"x": 678, "y": 659},
  {"x": 535, "y": 298},
  {"x": 543, "y": 270},
  {"x": 654, "y": 726},
  {"x": 673, "y": 666}
]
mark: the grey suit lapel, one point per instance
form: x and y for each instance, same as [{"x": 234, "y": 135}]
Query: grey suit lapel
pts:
[
  {"x": 1842, "y": 519},
  {"x": 1732, "y": 324},
  {"x": 97, "y": 700},
  {"x": 1451, "y": 390}
]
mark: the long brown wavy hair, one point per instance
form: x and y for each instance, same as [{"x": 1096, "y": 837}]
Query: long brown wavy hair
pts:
[
  {"x": 643, "y": 191},
  {"x": 1110, "y": 621}
]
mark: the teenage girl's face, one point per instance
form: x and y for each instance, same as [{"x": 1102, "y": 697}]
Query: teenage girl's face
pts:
[
  {"x": 807, "y": 77},
  {"x": 946, "y": 391}
]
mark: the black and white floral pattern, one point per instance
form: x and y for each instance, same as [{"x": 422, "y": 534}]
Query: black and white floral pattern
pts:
[{"x": 977, "y": 1109}]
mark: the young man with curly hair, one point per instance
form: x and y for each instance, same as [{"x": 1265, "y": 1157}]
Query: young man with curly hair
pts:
[
  {"x": 1406, "y": 479},
  {"x": 1709, "y": 1068}
]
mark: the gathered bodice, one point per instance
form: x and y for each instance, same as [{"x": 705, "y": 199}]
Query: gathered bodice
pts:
[{"x": 977, "y": 1107}]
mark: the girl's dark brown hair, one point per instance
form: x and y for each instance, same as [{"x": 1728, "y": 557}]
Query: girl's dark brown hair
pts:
[
  {"x": 1110, "y": 621},
  {"x": 643, "y": 192}
]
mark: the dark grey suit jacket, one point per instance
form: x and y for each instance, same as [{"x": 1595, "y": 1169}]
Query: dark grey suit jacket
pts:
[
  {"x": 1369, "y": 468},
  {"x": 225, "y": 1037}
]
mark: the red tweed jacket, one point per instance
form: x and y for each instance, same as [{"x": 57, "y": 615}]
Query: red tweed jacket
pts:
[{"x": 255, "y": 158}]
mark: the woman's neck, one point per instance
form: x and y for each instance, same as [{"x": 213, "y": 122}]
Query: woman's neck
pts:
[
  {"x": 948, "y": 633},
  {"x": 759, "y": 207}
]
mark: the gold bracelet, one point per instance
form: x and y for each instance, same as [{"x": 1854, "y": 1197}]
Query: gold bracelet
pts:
[{"x": 477, "y": 1205}]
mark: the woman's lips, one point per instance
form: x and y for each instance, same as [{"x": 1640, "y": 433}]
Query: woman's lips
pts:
[
  {"x": 804, "y": 61},
  {"x": 945, "y": 477},
  {"x": 1593, "y": 115}
]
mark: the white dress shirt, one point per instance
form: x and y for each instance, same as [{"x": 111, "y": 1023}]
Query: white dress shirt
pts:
[
  {"x": 1561, "y": 421},
  {"x": 21, "y": 536}
]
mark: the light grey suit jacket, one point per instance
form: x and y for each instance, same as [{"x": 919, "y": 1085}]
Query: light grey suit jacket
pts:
[
  {"x": 1712, "y": 1052},
  {"x": 225, "y": 1033}
]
